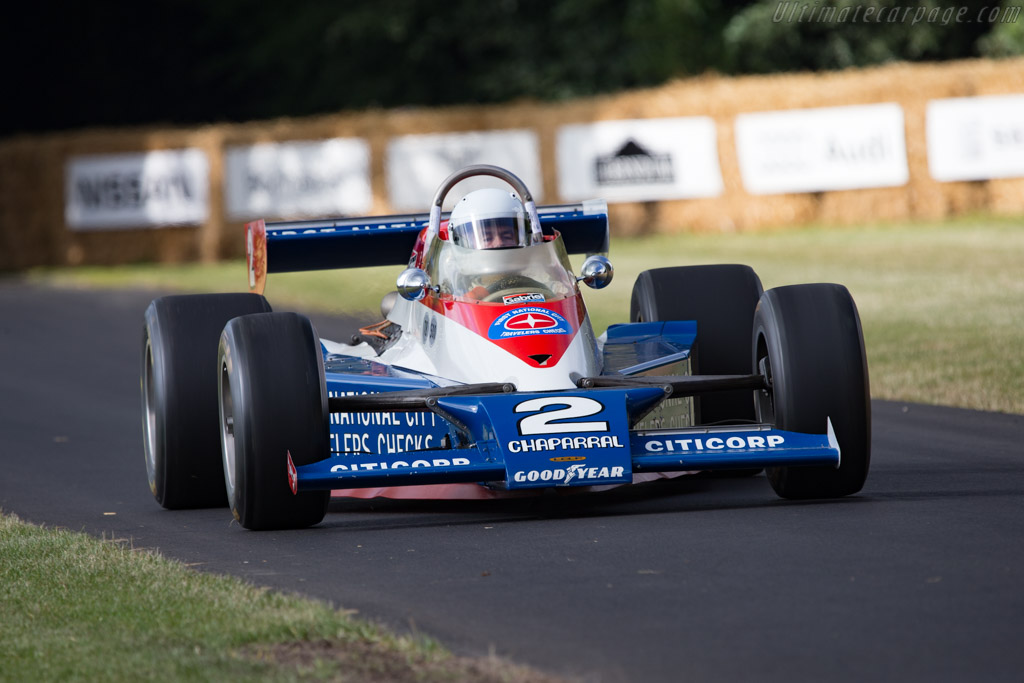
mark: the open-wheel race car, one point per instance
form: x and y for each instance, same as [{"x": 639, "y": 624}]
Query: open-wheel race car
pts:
[{"x": 486, "y": 371}]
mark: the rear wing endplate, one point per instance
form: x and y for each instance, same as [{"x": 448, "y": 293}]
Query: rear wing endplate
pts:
[{"x": 291, "y": 246}]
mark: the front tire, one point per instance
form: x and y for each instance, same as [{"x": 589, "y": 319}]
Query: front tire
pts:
[
  {"x": 179, "y": 395},
  {"x": 273, "y": 404},
  {"x": 721, "y": 299},
  {"x": 808, "y": 340}
]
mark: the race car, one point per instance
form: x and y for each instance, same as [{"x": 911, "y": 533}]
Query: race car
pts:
[{"x": 486, "y": 372}]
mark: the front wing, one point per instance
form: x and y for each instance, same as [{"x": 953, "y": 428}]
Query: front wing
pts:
[{"x": 566, "y": 438}]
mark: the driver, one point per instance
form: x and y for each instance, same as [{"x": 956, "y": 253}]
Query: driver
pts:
[{"x": 491, "y": 219}]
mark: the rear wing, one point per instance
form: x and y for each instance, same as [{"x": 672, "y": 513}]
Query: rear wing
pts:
[{"x": 292, "y": 246}]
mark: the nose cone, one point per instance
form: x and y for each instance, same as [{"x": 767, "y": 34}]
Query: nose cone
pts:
[{"x": 537, "y": 333}]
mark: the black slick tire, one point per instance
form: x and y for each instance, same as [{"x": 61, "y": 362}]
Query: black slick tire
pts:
[
  {"x": 181, "y": 434},
  {"x": 273, "y": 405},
  {"x": 808, "y": 340},
  {"x": 721, "y": 299}
]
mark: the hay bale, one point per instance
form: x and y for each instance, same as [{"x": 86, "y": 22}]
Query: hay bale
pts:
[{"x": 32, "y": 229}]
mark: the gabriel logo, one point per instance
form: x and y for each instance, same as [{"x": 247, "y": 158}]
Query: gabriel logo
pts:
[{"x": 524, "y": 298}]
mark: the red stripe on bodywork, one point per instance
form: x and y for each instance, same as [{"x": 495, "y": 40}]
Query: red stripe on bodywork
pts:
[{"x": 477, "y": 317}]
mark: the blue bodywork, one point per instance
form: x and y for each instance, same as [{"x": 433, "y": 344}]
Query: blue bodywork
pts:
[
  {"x": 388, "y": 240},
  {"x": 601, "y": 434},
  {"x": 523, "y": 440}
]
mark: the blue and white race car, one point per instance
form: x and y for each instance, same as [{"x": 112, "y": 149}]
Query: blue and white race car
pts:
[{"x": 486, "y": 375}]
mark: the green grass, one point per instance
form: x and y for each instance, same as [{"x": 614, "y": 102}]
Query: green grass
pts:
[
  {"x": 942, "y": 304},
  {"x": 76, "y": 608}
]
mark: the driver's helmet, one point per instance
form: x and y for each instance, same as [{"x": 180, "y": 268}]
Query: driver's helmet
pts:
[{"x": 489, "y": 219}]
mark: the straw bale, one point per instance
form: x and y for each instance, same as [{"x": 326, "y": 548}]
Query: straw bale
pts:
[{"x": 32, "y": 229}]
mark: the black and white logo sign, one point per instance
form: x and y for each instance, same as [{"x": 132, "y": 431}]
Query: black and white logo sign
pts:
[
  {"x": 976, "y": 138},
  {"x": 416, "y": 164},
  {"x": 634, "y": 165},
  {"x": 639, "y": 160},
  {"x": 166, "y": 187},
  {"x": 815, "y": 150},
  {"x": 298, "y": 179}
]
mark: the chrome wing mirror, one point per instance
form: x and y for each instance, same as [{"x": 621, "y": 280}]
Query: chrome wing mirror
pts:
[
  {"x": 412, "y": 284},
  {"x": 596, "y": 272}
]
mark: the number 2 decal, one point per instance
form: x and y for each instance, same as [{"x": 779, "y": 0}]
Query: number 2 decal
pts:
[{"x": 575, "y": 406}]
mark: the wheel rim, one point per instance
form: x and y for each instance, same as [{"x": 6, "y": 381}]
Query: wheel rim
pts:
[
  {"x": 227, "y": 432},
  {"x": 149, "y": 417}
]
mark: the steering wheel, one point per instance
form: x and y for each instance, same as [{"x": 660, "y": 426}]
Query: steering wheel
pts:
[{"x": 514, "y": 284}]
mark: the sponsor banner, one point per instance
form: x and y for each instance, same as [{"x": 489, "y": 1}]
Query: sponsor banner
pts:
[
  {"x": 525, "y": 297},
  {"x": 731, "y": 442},
  {"x": 562, "y": 439},
  {"x": 574, "y": 475},
  {"x": 814, "y": 150},
  {"x": 110, "y": 191},
  {"x": 373, "y": 434},
  {"x": 526, "y": 321},
  {"x": 639, "y": 160},
  {"x": 298, "y": 179},
  {"x": 554, "y": 443},
  {"x": 418, "y": 164},
  {"x": 716, "y": 448},
  {"x": 976, "y": 138},
  {"x": 400, "y": 464}
]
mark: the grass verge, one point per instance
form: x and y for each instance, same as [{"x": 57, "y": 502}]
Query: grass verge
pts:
[
  {"x": 942, "y": 304},
  {"x": 77, "y": 608}
]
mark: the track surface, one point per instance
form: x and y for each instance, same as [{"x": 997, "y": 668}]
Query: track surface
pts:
[{"x": 918, "y": 578}]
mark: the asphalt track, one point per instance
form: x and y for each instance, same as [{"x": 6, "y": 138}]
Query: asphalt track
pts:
[{"x": 917, "y": 578}]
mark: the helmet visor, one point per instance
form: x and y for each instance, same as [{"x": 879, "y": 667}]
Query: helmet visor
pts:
[{"x": 495, "y": 232}]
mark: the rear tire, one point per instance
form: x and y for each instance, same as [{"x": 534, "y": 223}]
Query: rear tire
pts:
[
  {"x": 721, "y": 299},
  {"x": 181, "y": 435},
  {"x": 273, "y": 403},
  {"x": 808, "y": 338}
]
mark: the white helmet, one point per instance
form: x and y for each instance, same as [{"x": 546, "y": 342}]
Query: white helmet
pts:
[{"x": 489, "y": 219}]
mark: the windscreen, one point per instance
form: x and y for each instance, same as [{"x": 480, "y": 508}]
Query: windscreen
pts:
[{"x": 540, "y": 272}]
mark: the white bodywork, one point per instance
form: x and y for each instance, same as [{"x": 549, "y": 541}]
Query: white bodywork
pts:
[{"x": 463, "y": 356}]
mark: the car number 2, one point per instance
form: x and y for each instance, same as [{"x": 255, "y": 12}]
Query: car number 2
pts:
[{"x": 554, "y": 421}]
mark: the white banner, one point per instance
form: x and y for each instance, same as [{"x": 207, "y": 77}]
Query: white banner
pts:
[
  {"x": 167, "y": 187},
  {"x": 976, "y": 138},
  {"x": 813, "y": 150},
  {"x": 639, "y": 160},
  {"x": 315, "y": 178},
  {"x": 418, "y": 164}
]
